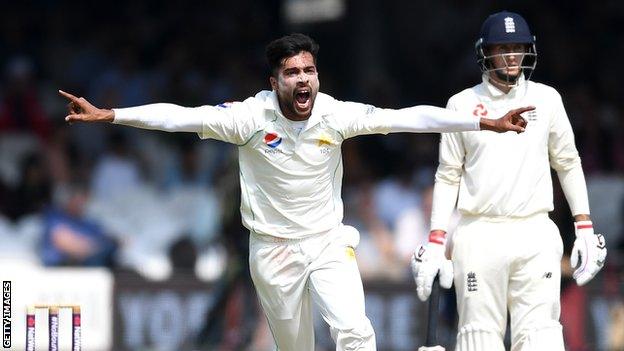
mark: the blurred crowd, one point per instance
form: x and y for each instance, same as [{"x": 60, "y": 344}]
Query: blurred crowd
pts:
[{"x": 153, "y": 202}]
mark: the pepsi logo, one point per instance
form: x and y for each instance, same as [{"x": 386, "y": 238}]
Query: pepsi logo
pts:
[{"x": 272, "y": 140}]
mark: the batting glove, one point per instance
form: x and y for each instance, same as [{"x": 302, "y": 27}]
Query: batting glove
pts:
[
  {"x": 590, "y": 249},
  {"x": 427, "y": 262}
]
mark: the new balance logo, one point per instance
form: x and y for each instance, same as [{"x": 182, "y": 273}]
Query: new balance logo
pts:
[
  {"x": 547, "y": 275},
  {"x": 471, "y": 281},
  {"x": 601, "y": 241},
  {"x": 419, "y": 255}
]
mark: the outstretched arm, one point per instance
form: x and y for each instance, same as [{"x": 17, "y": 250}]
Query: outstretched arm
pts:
[
  {"x": 166, "y": 117},
  {"x": 366, "y": 119},
  {"x": 435, "y": 119}
]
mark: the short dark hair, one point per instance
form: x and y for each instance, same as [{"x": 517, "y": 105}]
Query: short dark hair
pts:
[{"x": 288, "y": 46}]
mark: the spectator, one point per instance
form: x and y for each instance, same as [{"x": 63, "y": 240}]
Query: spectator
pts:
[
  {"x": 20, "y": 108},
  {"x": 33, "y": 191},
  {"x": 72, "y": 239},
  {"x": 116, "y": 172}
]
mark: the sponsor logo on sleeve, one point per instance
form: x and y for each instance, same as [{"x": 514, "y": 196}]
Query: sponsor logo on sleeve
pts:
[
  {"x": 350, "y": 253},
  {"x": 225, "y": 105}
]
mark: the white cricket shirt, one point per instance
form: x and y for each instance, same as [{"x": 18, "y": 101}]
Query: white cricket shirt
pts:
[
  {"x": 291, "y": 182},
  {"x": 508, "y": 174}
]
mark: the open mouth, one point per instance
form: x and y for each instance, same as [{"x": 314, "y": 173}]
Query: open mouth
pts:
[{"x": 302, "y": 97}]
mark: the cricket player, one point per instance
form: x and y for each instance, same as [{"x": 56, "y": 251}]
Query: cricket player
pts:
[
  {"x": 506, "y": 252},
  {"x": 289, "y": 142}
]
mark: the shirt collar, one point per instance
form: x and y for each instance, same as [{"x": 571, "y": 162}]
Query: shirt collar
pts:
[{"x": 496, "y": 93}]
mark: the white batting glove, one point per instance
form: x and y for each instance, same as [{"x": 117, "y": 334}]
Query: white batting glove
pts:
[
  {"x": 590, "y": 249},
  {"x": 427, "y": 262}
]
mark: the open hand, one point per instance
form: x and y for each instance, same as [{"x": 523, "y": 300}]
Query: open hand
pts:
[{"x": 81, "y": 110}]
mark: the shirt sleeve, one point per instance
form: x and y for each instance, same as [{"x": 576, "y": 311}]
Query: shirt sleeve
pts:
[
  {"x": 360, "y": 119},
  {"x": 447, "y": 178},
  {"x": 232, "y": 122},
  {"x": 564, "y": 158},
  {"x": 423, "y": 119}
]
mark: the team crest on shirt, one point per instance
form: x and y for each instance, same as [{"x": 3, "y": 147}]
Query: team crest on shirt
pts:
[
  {"x": 272, "y": 140},
  {"x": 325, "y": 140},
  {"x": 480, "y": 111}
]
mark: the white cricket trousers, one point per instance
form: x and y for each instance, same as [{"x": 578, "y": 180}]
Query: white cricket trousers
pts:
[
  {"x": 508, "y": 265},
  {"x": 288, "y": 274}
]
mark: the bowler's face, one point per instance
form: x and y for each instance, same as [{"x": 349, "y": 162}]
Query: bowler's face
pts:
[{"x": 296, "y": 86}]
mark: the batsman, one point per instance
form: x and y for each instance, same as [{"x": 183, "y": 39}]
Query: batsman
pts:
[{"x": 506, "y": 253}]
